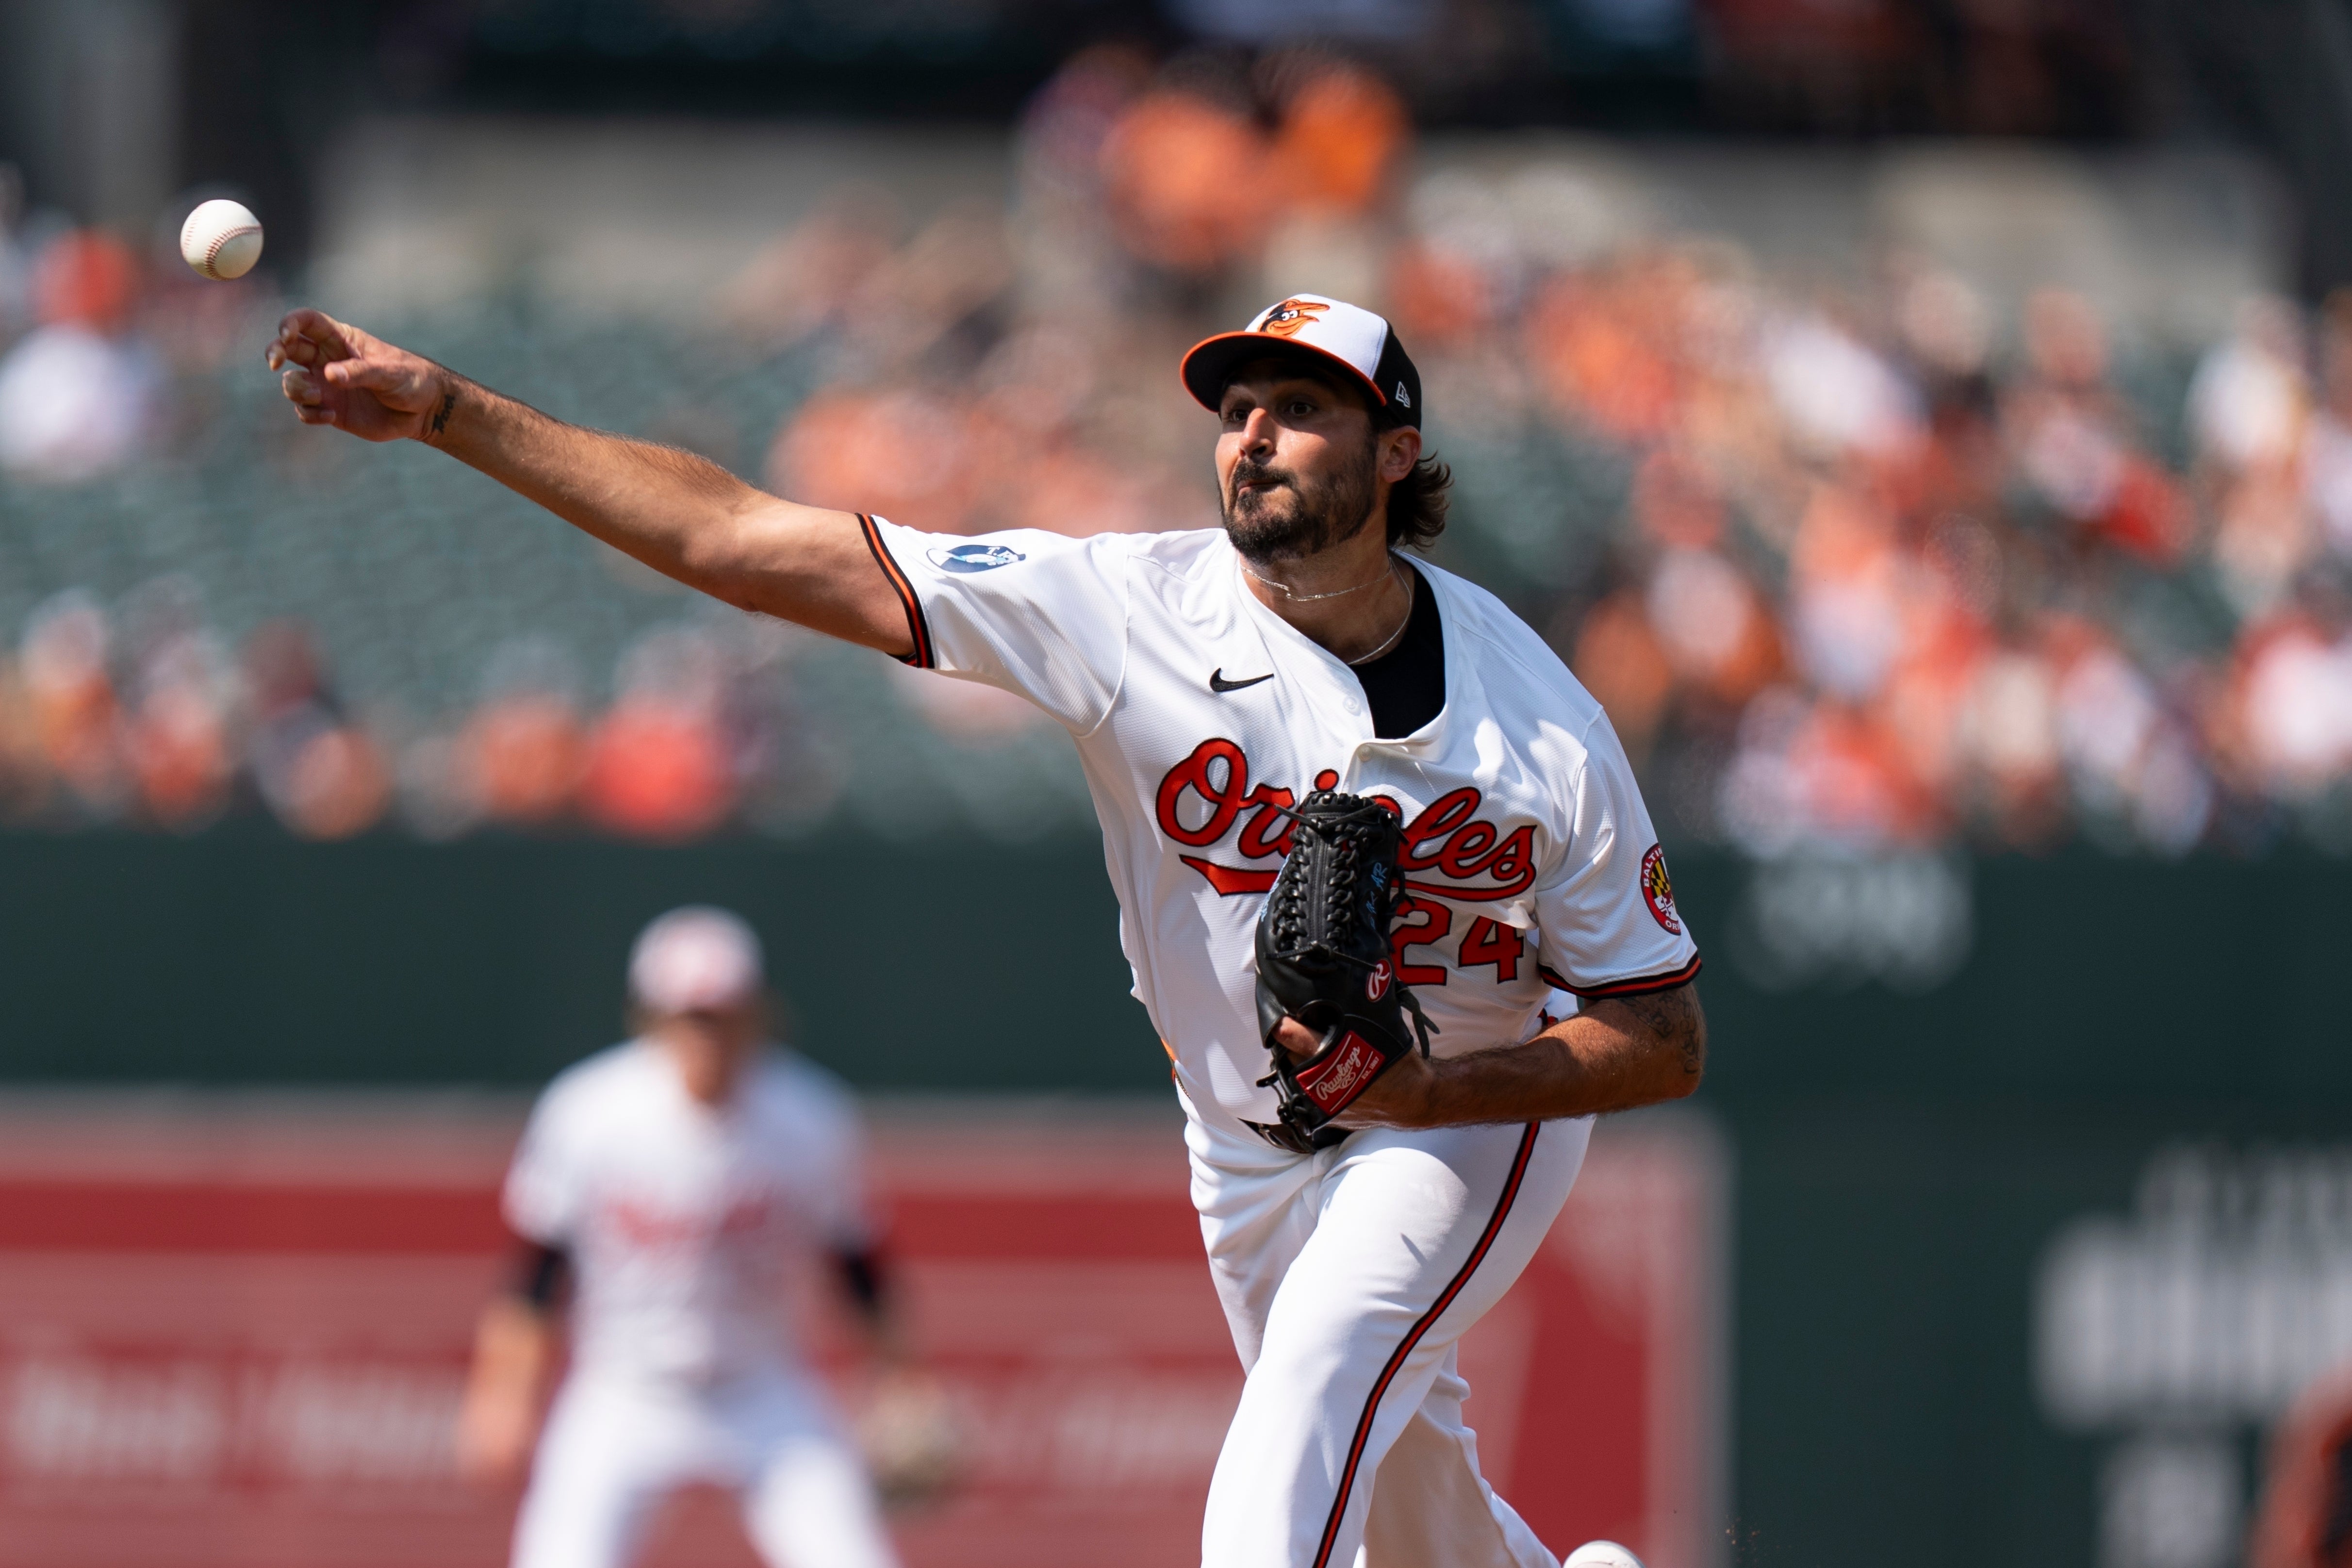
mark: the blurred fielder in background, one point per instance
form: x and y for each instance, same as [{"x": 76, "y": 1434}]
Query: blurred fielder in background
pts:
[{"x": 680, "y": 1180}]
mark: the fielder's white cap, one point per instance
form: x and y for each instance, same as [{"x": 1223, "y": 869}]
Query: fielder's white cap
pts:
[
  {"x": 1333, "y": 330},
  {"x": 694, "y": 959}
]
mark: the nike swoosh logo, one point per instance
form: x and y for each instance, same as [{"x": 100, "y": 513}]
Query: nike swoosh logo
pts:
[{"x": 1217, "y": 681}]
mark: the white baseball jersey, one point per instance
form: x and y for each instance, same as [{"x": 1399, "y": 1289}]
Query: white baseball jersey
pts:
[
  {"x": 683, "y": 1221},
  {"x": 1528, "y": 855}
]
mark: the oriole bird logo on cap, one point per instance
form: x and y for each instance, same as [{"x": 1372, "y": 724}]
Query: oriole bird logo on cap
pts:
[{"x": 1286, "y": 319}]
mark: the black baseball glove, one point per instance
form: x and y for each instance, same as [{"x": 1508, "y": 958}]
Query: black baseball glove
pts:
[{"x": 1323, "y": 958}]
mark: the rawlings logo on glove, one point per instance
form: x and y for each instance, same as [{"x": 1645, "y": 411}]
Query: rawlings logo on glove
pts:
[
  {"x": 1335, "y": 1078},
  {"x": 1323, "y": 959}
]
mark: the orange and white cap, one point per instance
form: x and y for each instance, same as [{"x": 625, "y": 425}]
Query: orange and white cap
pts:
[
  {"x": 1346, "y": 335},
  {"x": 695, "y": 959}
]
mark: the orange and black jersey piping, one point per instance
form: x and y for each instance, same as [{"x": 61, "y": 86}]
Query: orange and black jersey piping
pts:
[
  {"x": 1637, "y": 986},
  {"x": 919, "y": 630}
]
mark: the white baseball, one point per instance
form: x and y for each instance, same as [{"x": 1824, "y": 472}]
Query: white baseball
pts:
[
  {"x": 1602, "y": 1555},
  {"x": 221, "y": 239}
]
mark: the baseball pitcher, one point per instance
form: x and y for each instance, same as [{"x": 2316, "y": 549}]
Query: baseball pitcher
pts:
[{"x": 1363, "y": 826}]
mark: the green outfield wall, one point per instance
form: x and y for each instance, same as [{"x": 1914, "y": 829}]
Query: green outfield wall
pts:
[
  {"x": 245, "y": 957},
  {"x": 2044, "y": 1168}
]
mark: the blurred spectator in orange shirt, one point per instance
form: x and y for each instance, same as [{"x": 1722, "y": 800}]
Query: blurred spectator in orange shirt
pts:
[
  {"x": 63, "y": 660},
  {"x": 2075, "y": 441},
  {"x": 900, "y": 454},
  {"x": 1188, "y": 180},
  {"x": 322, "y": 774},
  {"x": 658, "y": 764},
  {"x": 1598, "y": 362},
  {"x": 525, "y": 749},
  {"x": 183, "y": 713},
  {"x": 1618, "y": 657},
  {"x": 78, "y": 394},
  {"x": 1342, "y": 129}
]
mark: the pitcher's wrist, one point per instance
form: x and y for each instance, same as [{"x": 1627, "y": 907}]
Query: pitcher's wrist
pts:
[{"x": 448, "y": 390}]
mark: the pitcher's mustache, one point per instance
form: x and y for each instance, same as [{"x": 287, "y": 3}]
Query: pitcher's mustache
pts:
[{"x": 1247, "y": 473}]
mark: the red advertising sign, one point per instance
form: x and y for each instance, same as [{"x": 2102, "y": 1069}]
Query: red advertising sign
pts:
[{"x": 237, "y": 1336}]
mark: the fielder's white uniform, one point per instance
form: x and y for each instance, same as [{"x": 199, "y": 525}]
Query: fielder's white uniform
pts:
[
  {"x": 684, "y": 1222},
  {"x": 1348, "y": 1275}
]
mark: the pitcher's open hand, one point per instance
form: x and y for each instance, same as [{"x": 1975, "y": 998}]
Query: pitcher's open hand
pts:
[{"x": 339, "y": 375}]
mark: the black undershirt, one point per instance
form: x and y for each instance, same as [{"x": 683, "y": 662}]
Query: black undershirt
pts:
[
  {"x": 542, "y": 1272},
  {"x": 1406, "y": 685}
]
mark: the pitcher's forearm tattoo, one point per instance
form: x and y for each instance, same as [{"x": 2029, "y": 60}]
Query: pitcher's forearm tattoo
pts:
[{"x": 1675, "y": 1017}]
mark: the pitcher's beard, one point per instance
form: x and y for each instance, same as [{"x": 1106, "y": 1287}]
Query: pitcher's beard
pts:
[{"x": 1293, "y": 522}]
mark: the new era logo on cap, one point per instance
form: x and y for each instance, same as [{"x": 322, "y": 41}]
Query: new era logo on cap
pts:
[{"x": 1347, "y": 335}]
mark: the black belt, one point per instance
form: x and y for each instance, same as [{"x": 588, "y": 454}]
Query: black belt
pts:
[{"x": 1283, "y": 1136}]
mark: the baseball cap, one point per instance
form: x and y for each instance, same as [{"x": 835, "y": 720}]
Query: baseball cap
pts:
[
  {"x": 695, "y": 957},
  {"x": 1347, "y": 335}
]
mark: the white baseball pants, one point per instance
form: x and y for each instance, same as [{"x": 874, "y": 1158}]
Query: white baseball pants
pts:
[
  {"x": 1347, "y": 1278},
  {"x": 613, "y": 1450}
]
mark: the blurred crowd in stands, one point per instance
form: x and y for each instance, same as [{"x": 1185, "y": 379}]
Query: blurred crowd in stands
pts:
[
  {"x": 150, "y": 717},
  {"x": 1865, "y": 566}
]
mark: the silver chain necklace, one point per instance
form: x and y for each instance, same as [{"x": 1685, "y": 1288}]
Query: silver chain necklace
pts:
[
  {"x": 1390, "y": 640},
  {"x": 1310, "y": 598}
]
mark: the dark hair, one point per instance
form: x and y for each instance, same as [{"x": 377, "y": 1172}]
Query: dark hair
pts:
[{"x": 1417, "y": 502}]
